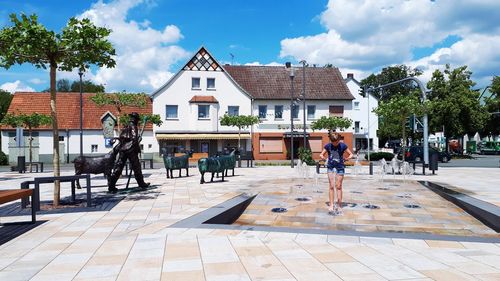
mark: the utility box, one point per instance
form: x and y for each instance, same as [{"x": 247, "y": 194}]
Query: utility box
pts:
[{"x": 471, "y": 147}]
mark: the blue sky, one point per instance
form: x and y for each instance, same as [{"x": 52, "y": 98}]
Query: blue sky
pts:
[{"x": 154, "y": 38}]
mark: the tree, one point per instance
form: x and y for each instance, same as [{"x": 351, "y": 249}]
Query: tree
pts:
[
  {"x": 120, "y": 101},
  {"x": 388, "y": 75},
  {"x": 63, "y": 85},
  {"x": 492, "y": 106},
  {"x": 79, "y": 45},
  {"x": 27, "y": 121},
  {"x": 154, "y": 119},
  {"x": 395, "y": 112},
  {"x": 239, "y": 121},
  {"x": 5, "y": 99},
  {"x": 331, "y": 123},
  {"x": 454, "y": 105},
  {"x": 87, "y": 87}
]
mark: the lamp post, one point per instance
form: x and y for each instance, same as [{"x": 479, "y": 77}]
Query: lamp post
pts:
[
  {"x": 303, "y": 62},
  {"x": 292, "y": 75},
  {"x": 80, "y": 72}
]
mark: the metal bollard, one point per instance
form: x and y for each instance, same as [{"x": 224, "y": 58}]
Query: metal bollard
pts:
[{"x": 371, "y": 168}]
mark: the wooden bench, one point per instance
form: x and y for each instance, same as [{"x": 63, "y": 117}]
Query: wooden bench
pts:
[
  {"x": 197, "y": 156},
  {"x": 15, "y": 194}
]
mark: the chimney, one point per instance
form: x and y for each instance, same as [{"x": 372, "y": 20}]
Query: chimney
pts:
[{"x": 350, "y": 75}]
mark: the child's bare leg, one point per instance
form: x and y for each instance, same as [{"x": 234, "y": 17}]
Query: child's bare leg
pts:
[
  {"x": 340, "y": 179},
  {"x": 331, "y": 190}
]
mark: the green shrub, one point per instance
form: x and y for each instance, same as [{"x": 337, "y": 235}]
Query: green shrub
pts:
[
  {"x": 379, "y": 155},
  {"x": 4, "y": 159},
  {"x": 305, "y": 155}
]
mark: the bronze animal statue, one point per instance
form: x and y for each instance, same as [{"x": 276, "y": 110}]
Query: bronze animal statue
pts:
[
  {"x": 95, "y": 165},
  {"x": 176, "y": 163}
]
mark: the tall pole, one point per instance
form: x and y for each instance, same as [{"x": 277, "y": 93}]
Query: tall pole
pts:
[
  {"x": 304, "y": 98},
  {"x": 368, "y": 126},
  {"x": 292, "y": 75},
  {"x": 81, "y": 113}
]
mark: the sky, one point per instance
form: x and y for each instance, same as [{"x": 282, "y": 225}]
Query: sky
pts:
[{"x": 155, "y": 38}]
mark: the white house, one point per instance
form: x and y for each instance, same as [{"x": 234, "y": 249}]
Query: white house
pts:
[
  {"x": 68, "y": 118},
  {"x": 365, "y": 121},
  {"x": 194, "y": 99}
]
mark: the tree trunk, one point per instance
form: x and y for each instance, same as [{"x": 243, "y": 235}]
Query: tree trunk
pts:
[
  {"x": 239, "y": 138},
  {"x": 30, "y": 145},
  {"x": 55, "y": 133},
  {"x": 403, "y": 148}
]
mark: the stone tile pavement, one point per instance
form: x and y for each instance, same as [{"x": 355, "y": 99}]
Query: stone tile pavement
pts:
[{"x": 133, "y": 240}]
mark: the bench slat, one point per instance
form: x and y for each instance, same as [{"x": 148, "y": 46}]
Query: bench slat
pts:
[{"x": 14, "y": 194}]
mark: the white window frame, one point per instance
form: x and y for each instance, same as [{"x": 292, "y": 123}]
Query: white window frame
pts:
[
  {"x": 282, "y": 108},
  {"x": 94, "y": 148},
  {"x": 356, "y": 105}
]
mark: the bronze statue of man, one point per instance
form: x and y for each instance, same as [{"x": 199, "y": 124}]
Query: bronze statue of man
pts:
[{"x": 128, "y": 148}]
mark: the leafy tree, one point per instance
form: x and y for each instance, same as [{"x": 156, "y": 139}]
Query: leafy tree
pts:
[
  {"x": 79, "y": 44},
  {"x": 239, "y": 121},
  {"x": 492, "y": 105},
  {"x": 87, "y": 87},
  {"x": 454, "y": 106},
  {"x": 120, "y": 101},
  {"x": 331, "y": 123},
  {"x": 27, "y": 121},
  {"x": 388, "y": 75},
  {"x": 395, "y": 113},
  {"x": 5, "y": 99},
  {"x": 154, "y": 119},
  {"x": 63, "y": 85}
]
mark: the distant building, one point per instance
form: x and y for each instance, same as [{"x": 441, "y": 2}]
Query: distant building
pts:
[
  {"x": 194, "y": 99},
  {"x": 68, "y": 118}
]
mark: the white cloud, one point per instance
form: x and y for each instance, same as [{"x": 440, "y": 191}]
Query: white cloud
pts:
[
  {"x": 17, "y": 86},
  {"x": 369, "y": 34},
  {"x": 36, "y": 81},
  {"x": 144, "y": 54}
]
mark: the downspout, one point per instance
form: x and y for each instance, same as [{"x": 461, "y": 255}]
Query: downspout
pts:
[
  {"x": 67, "y": 145},
  {"x": 251, "y": 128}
]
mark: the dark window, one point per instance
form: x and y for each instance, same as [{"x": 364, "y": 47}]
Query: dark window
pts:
[
  {"x": 295, "y": 111},
  {"x": 203, "y": 111},
  {"x": 278, "y": 112},
  {"x": 356, "y": 127},
  {"x": 93, "y": 148},
  {"x": 171, "y": 111},
  {"x": 195, "y": 83},
  {"x": 336, "y": 110},
  {"x": 262, "y": 111},
  {"x": 210, "y": 83},
  {"x": 233, "y": 110},
  {"x": 61, "y": 138},
  {"x": 311, "y": 112}
]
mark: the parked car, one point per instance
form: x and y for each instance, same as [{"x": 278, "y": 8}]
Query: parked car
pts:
[
  {"x": 490, "y": 147},
  {"x": 416, "y": 153}
]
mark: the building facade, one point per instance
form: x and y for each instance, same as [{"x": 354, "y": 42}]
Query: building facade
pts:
[
  {"x": 68, "y": 118},
  {"x": 193, "y": 100}
]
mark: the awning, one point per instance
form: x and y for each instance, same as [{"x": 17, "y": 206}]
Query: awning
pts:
[{"x": 201, "y": 136}]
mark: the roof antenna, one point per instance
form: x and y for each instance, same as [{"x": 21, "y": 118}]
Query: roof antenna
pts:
[{"x": 232, "y": 58}]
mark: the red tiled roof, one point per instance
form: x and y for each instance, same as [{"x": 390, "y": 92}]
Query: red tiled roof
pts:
[
  {"x": 68, "y": 109},
  {"x": 203, "y": 99},
  {"x": 273, "y": 82}
]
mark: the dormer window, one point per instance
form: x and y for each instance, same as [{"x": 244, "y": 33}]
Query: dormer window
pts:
[
  {"x": 210, "y": 83},
  {"x": 195, "y": 83}
]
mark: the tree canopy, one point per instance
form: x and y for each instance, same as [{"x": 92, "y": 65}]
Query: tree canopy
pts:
[
  {"x": 492, "y": 105},
  {"x": 28, "y": 121},
  {"x": 331, "y": 123},
  {"x": 388, "y": 75},
  {"x": 5, "y": 99},
  {"x": 454, "y": 105},
  {"x": 239, "y": 121},
  {"x": 79, "y": 45},
  {"x": 121, "y": 100},
  {"x": 65, "y": 85}
]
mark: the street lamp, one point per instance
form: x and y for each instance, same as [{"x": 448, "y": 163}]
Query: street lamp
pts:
[
  {"x": 80, "y": 72},
  {"x": 303, "y": 62},
  {"x": 292, "y": 75}
]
